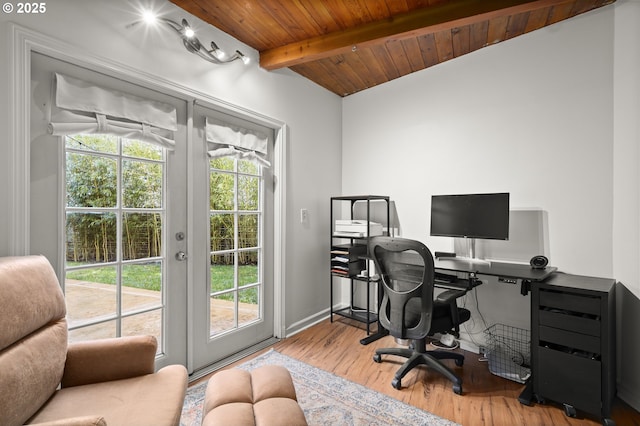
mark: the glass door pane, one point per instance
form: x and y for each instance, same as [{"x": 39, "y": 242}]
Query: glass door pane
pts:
[
  {"x": 114, "y": 234},
  {"x": 235, "y": 244}
]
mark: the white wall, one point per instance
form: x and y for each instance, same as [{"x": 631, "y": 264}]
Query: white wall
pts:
[
  {"x": 99, "y": 27},
  {"x": 626, "y": 207},
  {"x": 533, "y": 116}
]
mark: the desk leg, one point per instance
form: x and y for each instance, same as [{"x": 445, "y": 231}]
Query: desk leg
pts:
[
  {"x": 381, "y": 332},
  {"x": 526, "y": 397},
  {"x": 375, "y": 336}
]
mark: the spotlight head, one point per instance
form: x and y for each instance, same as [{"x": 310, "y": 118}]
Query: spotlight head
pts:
[
  {"x": 243, "y": 58},
  {"x": 187, "y": 31},
  {"x": 149, "y": 17}
]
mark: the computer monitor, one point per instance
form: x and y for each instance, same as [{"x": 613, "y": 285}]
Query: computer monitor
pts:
[{"x": 473, "y": 216}]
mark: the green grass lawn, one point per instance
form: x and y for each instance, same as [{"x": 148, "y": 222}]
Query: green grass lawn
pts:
[{"x": 149, "y": 277}]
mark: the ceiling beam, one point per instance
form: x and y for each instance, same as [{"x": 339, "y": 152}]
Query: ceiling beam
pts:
[{"x": 423, "y": 21}]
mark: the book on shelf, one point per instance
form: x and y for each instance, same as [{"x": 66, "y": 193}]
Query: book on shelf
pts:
[
  {"x": 347, "y": 269},
  {"x": 350, "y": 234},
  {"x": 339, "y": 252}
]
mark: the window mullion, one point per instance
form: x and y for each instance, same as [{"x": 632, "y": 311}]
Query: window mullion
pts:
[
  {"x": 119, "y": 228},
  {"x": 236, "y": 238}
]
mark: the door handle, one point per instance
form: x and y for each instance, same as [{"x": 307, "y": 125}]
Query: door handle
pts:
[{"x": 181, "y": 256}]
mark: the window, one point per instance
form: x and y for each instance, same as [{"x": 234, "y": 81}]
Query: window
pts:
[
  {"x": 235, "y": 241},
  {"x": 114, "y": 221}
]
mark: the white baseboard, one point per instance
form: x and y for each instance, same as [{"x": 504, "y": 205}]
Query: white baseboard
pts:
[{"x": 306, "y": 323}]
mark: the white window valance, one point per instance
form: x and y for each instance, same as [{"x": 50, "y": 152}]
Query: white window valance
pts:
[
  {"x": 81, "y": 107},
  {"x": 233, "y": 141}
]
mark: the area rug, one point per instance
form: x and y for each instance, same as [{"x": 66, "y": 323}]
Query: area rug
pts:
[{"x": 326, "y": 399}]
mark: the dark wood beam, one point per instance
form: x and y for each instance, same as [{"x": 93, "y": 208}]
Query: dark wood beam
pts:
[{"x": 421, "y": 22}]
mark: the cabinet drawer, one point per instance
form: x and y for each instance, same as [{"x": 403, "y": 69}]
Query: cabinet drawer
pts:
[
  {"x": 586, "y": 324},
  {"x": 569, "y": 379},
  {"x": 576, "y": 303},
  {"x": 570, "y": 340}
]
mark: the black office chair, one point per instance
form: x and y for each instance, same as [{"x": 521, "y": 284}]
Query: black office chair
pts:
[{"x": 408, "y": 309}]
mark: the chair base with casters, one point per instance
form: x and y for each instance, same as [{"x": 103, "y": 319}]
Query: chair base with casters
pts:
[{"x": 420, "y": 356}]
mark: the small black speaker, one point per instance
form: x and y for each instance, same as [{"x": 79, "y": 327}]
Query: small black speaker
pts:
[{"x": 539, "y": 262}]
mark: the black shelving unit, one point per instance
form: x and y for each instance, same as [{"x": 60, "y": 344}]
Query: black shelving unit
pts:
[{"x": 349, "y": 257}]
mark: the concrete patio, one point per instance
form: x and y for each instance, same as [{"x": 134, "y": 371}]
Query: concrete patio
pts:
[{"x": 92, "y": 301}]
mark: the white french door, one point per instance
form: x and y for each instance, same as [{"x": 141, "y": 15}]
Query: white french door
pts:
[
  {"x": 233, "y": 260},
  {"x": 110, "y": 214},
  {"x": 150, "y": 240}
]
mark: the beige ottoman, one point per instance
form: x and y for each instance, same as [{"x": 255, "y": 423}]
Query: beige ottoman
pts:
[{"x": 264, "y": 396}]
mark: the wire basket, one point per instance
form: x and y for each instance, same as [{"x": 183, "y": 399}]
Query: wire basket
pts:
[{"x": 509, "y": 352}]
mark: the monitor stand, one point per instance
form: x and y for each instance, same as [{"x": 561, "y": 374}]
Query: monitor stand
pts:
[{"x": 471, "y": 243}]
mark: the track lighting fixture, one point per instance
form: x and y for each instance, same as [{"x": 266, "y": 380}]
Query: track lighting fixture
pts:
[{"x": 193, "y": 45}]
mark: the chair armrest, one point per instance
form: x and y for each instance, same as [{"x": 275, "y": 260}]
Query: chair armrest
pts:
[
  {"x": 450, "y": 295},
  {"x": 76, "y": 421},
  {"x": 105, "y": 360}
]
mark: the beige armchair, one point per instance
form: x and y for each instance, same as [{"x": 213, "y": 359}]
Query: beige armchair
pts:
[{"x": 46, "y": 381}]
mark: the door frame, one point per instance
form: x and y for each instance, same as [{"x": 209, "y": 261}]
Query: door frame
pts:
[{"x": 23, "y": 42}]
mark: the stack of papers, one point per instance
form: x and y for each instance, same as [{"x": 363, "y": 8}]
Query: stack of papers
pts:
[{"x": 357, "y": 228}]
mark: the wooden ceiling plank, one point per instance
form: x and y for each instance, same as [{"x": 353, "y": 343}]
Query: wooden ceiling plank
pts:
[
  {"x": 413, "y": 24},
  {"x": 497, "y": 29},
  {"x": 318, "y": 12},
  {"x": 516, "y": 25},
  {"x": 428, "y": 48},
  {"x": 399, "y": 57},
  {"x": 293, "y": 18},
  {"x": 358, "y": 10},
  {"x": 382, "y": 57},
  {"x": 377, "y": 9},
  {"x": 461, "y": 40},
  {"x": 324, "y": 74},
  {"x": 559, "y": 13},
  {"x": 345, "y": 68},
  {"x": 414, "y": 55},
  {"x": 397, "y": 7},
  {"x": 582, "y": 6},
  {"x": 379, "y": 65},
  {"x": 444, "y": 45},
  {"x": 367, "y": 75},
  {"x": 537, "y": 19},
  {"x": 233, "y": 19},
  {"x": 348, "y": 13},
  {"x": 478, "y": 35}
]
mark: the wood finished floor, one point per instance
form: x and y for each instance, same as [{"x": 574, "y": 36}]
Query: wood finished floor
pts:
[{"x": 486, "y": 399}]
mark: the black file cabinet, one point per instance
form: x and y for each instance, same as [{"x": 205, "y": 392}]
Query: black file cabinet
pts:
[{"x": 573, "y": 343}]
